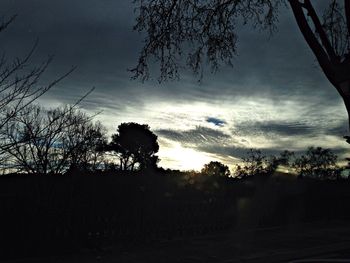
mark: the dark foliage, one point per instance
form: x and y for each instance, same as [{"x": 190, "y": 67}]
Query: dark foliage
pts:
[
  {"x": 215, "y": 168},
  {"x": 317, "y": 163},
  {"x": 136, "y": 146},
  {"x": 256, "y": 163}
]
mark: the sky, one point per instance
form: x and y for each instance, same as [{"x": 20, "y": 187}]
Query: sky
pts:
[{"x": 275, "y": 96}]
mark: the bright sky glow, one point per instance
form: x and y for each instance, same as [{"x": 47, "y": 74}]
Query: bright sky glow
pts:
[
  {"x": 192, "y": 141},
  {"x": 182, "y": 158}
]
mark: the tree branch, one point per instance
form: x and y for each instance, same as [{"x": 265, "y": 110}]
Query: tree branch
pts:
[
  {"x": 320, "y": 31},
  {"x": 347, "y": 13},
  {"x": 310, "y": 38},
  {"x": 4, "y": 24}
]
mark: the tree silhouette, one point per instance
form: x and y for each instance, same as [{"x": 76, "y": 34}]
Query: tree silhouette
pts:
[
  {"x": 285, "y": 158},
  {"x": 20, "y": 84},
  {"x": 135, "y": 145},
  {"x": 215, "y": 168},
  {"x": 19, "y": 81},
  {"x": 44, "y": 141},
  {"x": 317, "y": 163},
  {"x": 273, "y": 162},
  {"x": 206, "y": 31},
  {"x": 256, "y": 163},
  {"x": 83, "y": 140}
]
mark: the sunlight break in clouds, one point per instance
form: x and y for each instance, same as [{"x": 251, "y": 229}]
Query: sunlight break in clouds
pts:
[
  {"x": 178, "y": 157},
  {"x": 188, "y": 140},
  {"x": 192, "y": 134}
]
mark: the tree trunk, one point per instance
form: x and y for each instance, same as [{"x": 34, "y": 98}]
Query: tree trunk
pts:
[{"x": 335, "y": 69}]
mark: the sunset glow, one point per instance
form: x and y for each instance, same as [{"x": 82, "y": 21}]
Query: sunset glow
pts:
[{"x": 181, "y": 158}]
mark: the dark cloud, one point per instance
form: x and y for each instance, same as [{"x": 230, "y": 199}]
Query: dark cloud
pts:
[
  {"x": 235, "y": 151},
  {"x": 285, "y": 128},
  {"x": 97, "y": 37},
  {"x": 274, "y": 127},
  {"x": 197, "y": 136},
  {"x": 240, "y": 152},
  {"x": 340, "y": 129}
]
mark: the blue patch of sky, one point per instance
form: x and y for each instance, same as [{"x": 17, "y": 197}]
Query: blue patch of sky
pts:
[{"x": 216, "y": 121}]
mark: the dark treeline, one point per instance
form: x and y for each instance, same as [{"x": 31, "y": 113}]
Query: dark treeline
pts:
[{"x": 55, "y": 141}]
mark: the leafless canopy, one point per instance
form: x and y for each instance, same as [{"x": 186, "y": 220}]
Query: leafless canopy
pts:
[
  {"x": 335, "y": 25},
  {"x": 44, "y": 141},
  {"x": 19, "y": 81},
  {"x": 328, "y": 39},
  {"x": 187, "y": 32}
]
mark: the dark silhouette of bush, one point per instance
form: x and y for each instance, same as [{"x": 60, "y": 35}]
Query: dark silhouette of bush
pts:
[
  {"x": 136, "y": 146},
  {"x": 317, "y": 163},
  {"x": 216, "y": 168},
  {"x": 254, "y": 163}
]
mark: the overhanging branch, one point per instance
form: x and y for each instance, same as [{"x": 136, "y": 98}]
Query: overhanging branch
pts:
[
  {"x": 320, "y": 31},
  {"x": 309, "y": 36},
  {"x": 347, "y": 13}
]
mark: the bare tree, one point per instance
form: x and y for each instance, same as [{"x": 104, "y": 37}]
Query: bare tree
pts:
[
  {"x": 50, "y": 141},
  {"x": 19, "y": 82},
  {"x": 206, "y": 29},
  {"x": 30, "y": 138},
  {"x": 83, "y": 142}
]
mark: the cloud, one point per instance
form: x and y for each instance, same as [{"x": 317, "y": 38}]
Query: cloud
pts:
[
  {"x": 285, "y": 128},
  {"x": 282, "y": 128},
  {"x": 196, "y": 136},
  {"x": 239, "y": 152},
  {"x": 340, "y": 129}
]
